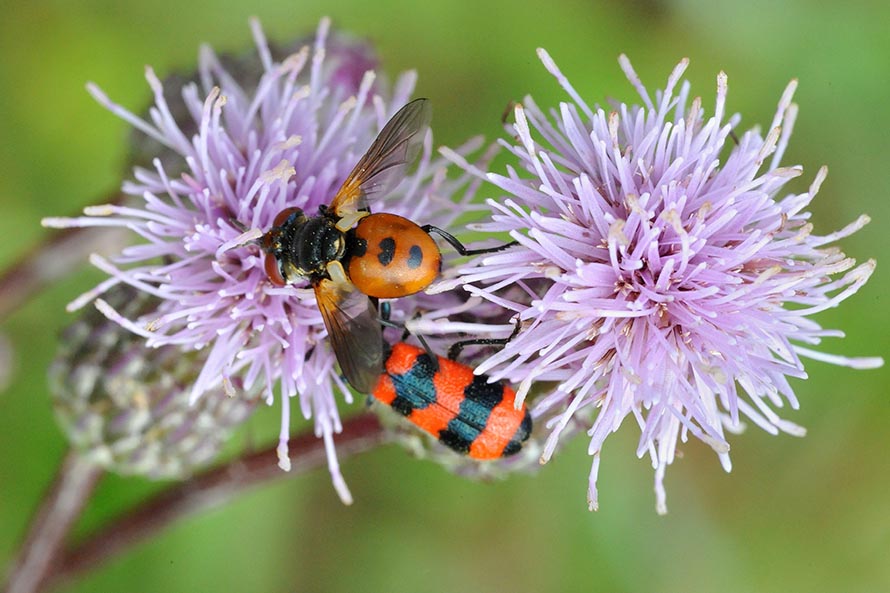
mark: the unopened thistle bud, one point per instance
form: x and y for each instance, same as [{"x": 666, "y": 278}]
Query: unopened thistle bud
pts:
[{"x": 126, "y": 406}]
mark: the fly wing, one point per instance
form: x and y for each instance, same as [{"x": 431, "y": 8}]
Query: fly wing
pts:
[
  {"x": 383, "y": 165},
  {"x": 354, "y": 330}
]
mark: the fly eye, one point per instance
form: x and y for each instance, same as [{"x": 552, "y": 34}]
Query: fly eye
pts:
[
  {"x": 284, "y": 215},
  {"x": 273, "y": 271}
]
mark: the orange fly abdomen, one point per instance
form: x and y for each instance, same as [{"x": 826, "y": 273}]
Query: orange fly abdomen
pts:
[{"x": 391, "y": 257}]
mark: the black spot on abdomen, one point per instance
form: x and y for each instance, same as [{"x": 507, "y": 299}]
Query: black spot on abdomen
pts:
[
  {"x": 415, "y": 257},
  {"x": 359, "y": 247},
  {"x": 387, "y": 251}
]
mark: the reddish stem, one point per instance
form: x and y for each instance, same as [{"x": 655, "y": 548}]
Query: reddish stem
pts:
[
  {"x": 211, "y": 488},
  {"x": 58, "y": 255},
  {"x": 41, "y": 551}
]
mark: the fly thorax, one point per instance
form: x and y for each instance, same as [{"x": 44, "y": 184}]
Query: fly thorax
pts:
[{"x": 316, "y": 243}]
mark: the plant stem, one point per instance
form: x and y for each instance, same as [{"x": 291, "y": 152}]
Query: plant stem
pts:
[
  {"x": 42, "y": 548},
  {"x": 211, "y": 488},
  {"x": 58, "y": 255}
]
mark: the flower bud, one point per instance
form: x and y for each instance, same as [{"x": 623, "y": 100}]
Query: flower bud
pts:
[{"x": 126, "y": 406}]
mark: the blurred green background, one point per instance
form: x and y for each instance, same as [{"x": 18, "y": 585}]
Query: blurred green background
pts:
[{"x": 808, "y": 514}]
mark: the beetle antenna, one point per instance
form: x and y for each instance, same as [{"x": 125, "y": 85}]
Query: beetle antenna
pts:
[
  {"x": 458, "y": 347},
  {"x": 385, "y": 310}
]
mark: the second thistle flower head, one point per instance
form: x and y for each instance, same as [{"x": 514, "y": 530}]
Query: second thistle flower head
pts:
[{"x": 669, "y": 275}]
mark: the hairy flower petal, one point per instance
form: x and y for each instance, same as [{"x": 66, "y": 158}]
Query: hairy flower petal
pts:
[
  {"x": 233, "y": 147},
  {"x": 675, "y": 275}
]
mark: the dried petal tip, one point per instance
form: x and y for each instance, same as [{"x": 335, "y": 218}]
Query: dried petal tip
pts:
[
  {"x": 125, "y": 406},
  {"x": 283, "y": 456}
]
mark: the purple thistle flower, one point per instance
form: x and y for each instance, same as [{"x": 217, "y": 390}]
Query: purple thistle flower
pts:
[
  {"x": 665, "y": 277},
  {"x": 243, "y": 154}
]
